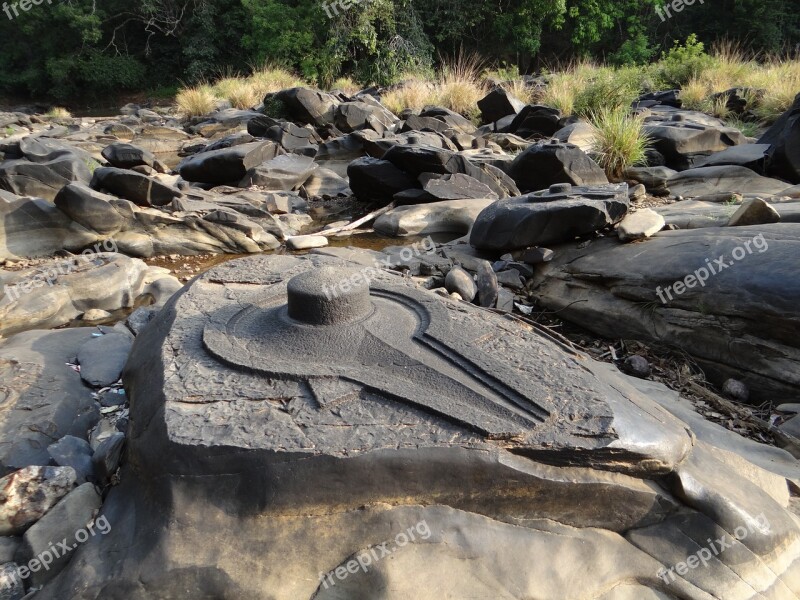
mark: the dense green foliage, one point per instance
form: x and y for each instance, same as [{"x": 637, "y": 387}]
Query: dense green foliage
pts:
[{"x": 85, "y": 49}]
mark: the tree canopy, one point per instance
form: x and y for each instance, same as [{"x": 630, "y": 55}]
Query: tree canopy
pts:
[{"x": 82, "y": 49}]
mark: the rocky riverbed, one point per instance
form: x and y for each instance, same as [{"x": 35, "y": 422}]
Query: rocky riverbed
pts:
[{"x": 303, "y": 336}]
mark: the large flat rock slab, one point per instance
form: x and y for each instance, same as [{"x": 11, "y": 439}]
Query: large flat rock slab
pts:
[
  {"x": 696, "y": 214},
  {"x": 43, "y": 399},
  {"x": 743, "y": 322},
  {"x": 279, "y": 404}
]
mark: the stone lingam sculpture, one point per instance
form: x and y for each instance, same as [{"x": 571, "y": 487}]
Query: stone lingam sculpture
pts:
[{"x": 300, "y": 433}]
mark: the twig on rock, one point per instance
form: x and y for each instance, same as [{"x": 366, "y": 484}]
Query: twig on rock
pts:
[
  {"x": 790, "y": 443},
  {"x": 358, "y": 222}
]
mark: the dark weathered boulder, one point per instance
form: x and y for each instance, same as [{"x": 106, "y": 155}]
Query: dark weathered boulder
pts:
[
  {"x": 133, "y": 186},
  {"x": 725, "y": 179},
  {"x": 683, "y": 142},
  {"x": 497, "y": 104},
  {"x": 456, "y": 186},
  {"x": 417, "y": 160},
  {"x": 551, "y": 217},
  {"x": 752, "y": 156},
  {"x": 307, "y": 106},
  {"x": 42, "y": 150},
  {"x": 354, "y": 116},
  {"x": 89, "y": 208},
  {"x": 784, "y": 140},
  {"x": 227, "y": 165},
  {"x": 543, "y": 165},
  {"x": 286, "y": 172},
  {"x": 127, "y": 156},
  {"x": 376, "y": 180},
  {"x": 535, "y": 121}
]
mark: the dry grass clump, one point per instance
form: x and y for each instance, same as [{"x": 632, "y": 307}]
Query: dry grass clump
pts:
[
  {"x": 695, "y": 95},
  {"x": 562, "y": 91},
  {"x": 58, "y": 112},
  {"x": 268, "y": 79},
  {"x": 460, "y": 85},
  {"x": 413, "y": 93},
  {"x": 346, "y": 85},
  {"x": 196, "y": 101},
  {"x": 620, "y": 140},
  {"x": 520, "y": 90},
  {"x": 241, "y": 92}
]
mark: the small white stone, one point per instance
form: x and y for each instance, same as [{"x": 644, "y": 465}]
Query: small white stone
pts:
[
  {"x": 304, "y": 242},
  {"x": 641, "y": 224}
]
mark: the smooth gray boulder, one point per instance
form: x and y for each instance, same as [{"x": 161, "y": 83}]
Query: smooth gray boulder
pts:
[
  {"x": 286, "y": 172},
  {"x": 89, "y": 208},
  {"x": 722, "y": 180},
  {"x": 458, "y": 281},
  {"x": 673, "y": 289},
  {"x": 102, "y": 358},
  {"x": 447, "y": 216},
  {"x": 42, "y": 179},
  {"x": 35, "y": 227},
  {"x": 128, "y": 156},
  {"x": 60, "y": 290}
]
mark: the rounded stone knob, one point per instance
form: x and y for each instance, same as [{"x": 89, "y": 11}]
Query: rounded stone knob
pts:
[
  {"x": 561, "y": 188},
  {"x": 678, "y": 118},
  {"x": 328, "y": 296}
]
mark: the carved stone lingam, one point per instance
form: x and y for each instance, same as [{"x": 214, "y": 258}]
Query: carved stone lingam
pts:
[{"x": 290, "y": 418}]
